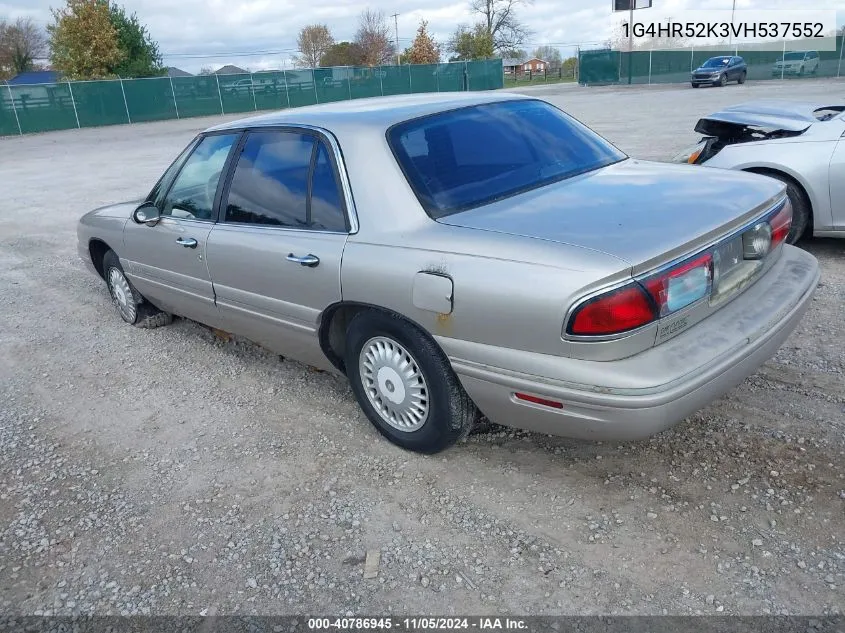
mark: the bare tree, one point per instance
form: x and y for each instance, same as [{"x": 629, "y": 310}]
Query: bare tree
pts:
[
  {"x": 499, "y": 17},
  {"x": 373, "y": 37},
  {"x": 314, "y": 41},
  {"x": 21, "y": 43}
]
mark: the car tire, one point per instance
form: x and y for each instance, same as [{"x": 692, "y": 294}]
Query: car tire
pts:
[
  {"x": 801, "y": 210},
  {"x": 694, "y": 85},
  {"x": 723, "y": 81},
  {"x": 390, "y": 363},
  {"x": 130, "y": 304},
  {"x": 742, "y": 78},
  {"x": 801, "y": 71}
]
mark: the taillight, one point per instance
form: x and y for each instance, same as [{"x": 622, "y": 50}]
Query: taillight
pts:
[
  {"x": 781, "y": 223},
  {"x": 617, "y": 311},
  {"x": 681, "y": 285}
]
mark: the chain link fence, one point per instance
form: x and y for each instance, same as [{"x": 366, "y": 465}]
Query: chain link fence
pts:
[
  {"x": 39, "y": 108},
  {"x": 607, "y": 66}
]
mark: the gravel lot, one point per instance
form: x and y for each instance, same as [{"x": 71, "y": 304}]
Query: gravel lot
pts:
[{"x": 174, "y": 472}]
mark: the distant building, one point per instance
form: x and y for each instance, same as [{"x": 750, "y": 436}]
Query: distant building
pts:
[
  {"x": 172, "y": 71},
  {"x": 511, "y": 65},
  {"x": 535, "y": 65},
  {"x": 229, "y": 69},
  {"x": 35, "y": 77}
]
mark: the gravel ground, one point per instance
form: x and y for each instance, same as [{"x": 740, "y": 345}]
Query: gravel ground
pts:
[{"x": 173, "y": 472}]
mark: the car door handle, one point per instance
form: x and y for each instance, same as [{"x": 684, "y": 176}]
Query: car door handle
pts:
[
  {"x": 187, "y": 242},
  {"x": 306, "y": 260}
]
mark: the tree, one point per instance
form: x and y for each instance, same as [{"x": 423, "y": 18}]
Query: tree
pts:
[
  {"x": 21, "y": 43},
  {"x": 373, "y": 37},
  {"x": 500, "y": 22},
  {"x": 83, "y": 41},
  {"x": 569, "y": 66},
  {"x": 314, "y": 42},
  {"x": 549, "y": 54},
  {"x": 468, "y": 44},
  {"x": 140, "y": 54},
  {"x": 343, "y": 54},
  {"x": 424, "y": 50},
  {"x": 206, "y": 70}
]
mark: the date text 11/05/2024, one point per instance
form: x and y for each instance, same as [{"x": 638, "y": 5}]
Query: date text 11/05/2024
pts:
[{"x": 417, "y": 624}]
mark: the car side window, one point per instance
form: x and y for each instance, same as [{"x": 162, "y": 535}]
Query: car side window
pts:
[
  {"x": 270, "y": 185},
  {"x": 327, "y": 212},
  {"x": 193, "y": 191}
]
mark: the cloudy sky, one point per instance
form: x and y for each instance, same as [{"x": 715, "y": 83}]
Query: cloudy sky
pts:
[{"x": 261, "y": 34}]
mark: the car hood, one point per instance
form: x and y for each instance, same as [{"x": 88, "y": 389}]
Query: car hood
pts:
[
  {"x": 119, "y": 210},
  {"x": 778, "y": 114},
  {"x": 644, "y": 213}
]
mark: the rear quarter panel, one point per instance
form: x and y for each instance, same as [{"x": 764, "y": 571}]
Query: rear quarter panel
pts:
[
  {"x": 508, "y": 291},
  {"x": 807, "y": 161}
]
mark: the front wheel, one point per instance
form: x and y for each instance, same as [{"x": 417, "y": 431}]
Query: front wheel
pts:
[
  {"x": 723, "y": 81},
  {"x": 405, "y": 384},
  {"x": 130, "y": 304},
  {"x": 694, "y": 85}
]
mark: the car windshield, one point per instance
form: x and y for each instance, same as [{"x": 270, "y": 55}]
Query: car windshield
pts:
[
  {"x": 716, "y": 62},
  {"x": 472, "y": 156},
  {"x": 793, "y": 56}
]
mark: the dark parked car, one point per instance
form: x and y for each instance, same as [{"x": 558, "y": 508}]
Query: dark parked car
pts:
[{"x": 717, "y": 71}]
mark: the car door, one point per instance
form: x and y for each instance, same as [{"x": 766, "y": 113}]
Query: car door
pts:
[
  {"x": 837, "y": 185},
  {"x": 276, "y": 253},
  {"x": 167, "y": 261}
]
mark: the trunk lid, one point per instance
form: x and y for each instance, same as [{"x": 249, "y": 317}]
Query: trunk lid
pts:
[{"x": 644, "y": 213}]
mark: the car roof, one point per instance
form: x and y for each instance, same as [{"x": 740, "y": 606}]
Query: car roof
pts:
[{"x": 380, "y": 112}]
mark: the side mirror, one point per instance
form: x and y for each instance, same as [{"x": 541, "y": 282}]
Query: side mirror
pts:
[{"x": 147, "y": 214}]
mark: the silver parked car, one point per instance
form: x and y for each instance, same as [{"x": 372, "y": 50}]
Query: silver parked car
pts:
[
  {"x": 802, "y": 144},
  {"x": 459, "y": 253}
]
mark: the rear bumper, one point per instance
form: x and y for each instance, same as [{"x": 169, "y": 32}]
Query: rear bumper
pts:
[{"x": 749, "y": 330}]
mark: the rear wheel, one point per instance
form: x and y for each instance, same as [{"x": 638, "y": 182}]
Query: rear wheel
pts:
[
  {"x": 405, "y": 384},
  {"x": 741, "y": 79},
  {"x": 130, "y": 304}
]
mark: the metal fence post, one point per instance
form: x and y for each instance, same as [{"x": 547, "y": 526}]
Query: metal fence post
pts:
[
  {"x": 73, "y": 101},
  {"x": 349, "y": 81},
  {"x": 841, "y": 48},
  {"x": 125, "y": 102},
  {"x": 219, "y": 94},
  {"x": 287, "y": 93},
  {"x": 381, "y": 80},
  {"x": 314, "y": 81},
  {"x": 691, "y": 55},
  {"x": 650, "y": 51},
  {"x": 252, "y": 90},
  {"x": 437, "y": 77},
  {"x": 15, "y": 109},
  {"x": 783, "y": 60},
  {"x": 173, "y": 91},
  {"x": 410, "y": 84}
]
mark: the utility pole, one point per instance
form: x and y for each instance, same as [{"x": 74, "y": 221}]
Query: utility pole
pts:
[
  {"x": 631, "y": 39},
  {"x": 395, "y": 17},
  {"x": 730, "y": 39}
]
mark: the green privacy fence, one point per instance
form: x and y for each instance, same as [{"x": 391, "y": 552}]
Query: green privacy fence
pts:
[
  {"x": 606, "y": 66},
  {"x": 40, "y": 108}
]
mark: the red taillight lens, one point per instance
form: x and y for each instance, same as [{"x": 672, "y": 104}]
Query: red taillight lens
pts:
[
  {"x": 781, "y": 223},
  {"x": 617, "y": 311}
]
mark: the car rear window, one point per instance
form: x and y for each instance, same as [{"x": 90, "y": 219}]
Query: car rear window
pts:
[{"x": 468, "y": 157}]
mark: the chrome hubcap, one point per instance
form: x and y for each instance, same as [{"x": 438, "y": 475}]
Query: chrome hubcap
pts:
[
  {"x": 394, "y": 384},
  {"x": 121, "y": 294}
]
